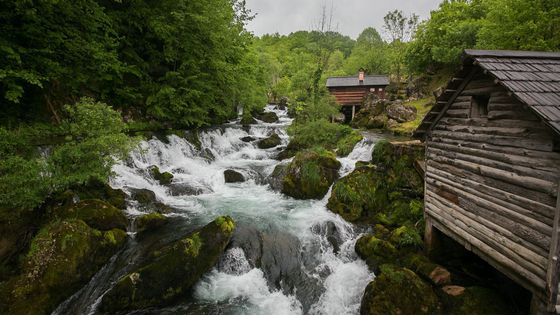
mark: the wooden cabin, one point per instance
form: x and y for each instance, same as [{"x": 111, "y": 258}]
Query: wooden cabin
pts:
[
  {"x": 350, "y": 92},
  {"x": 493, "y": 167}
]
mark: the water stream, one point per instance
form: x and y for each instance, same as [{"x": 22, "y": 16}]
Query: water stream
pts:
[{"x": 287, "y": 256}]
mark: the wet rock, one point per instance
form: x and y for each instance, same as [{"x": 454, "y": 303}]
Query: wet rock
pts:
[
  {"x": 186, "y": 189},
  {"x": 399, "y": 291},
  {"x": 148, "y": 200},
  {"x": 95, "y": 213},
  {"x": 283, "y": 104},
  {"x": 268, "y": 117},
  {"x": 286, "y": 154},
  {"x": 96, "y": 189},
  {"x": 167, "y": 276},
  {"x": 63, "y": 256},
  {"x": 270, "y": 142},
  {"x": 248, "y": 120},
  {"x": 276, "y": 179},
  {"x": 249, "y": 239},
  {"x": 310, "y": 175},
  {"x": 150, "y": 222},
  {"x": 401, "y": 113},
  {"x": 248, "y": 139},
  {"x": 164, "y": 178},
  {"x": 232, "y": 176},
  {"x": 207, "y": 154},
  {"x": 330, "y": 232},
  {"x": 375, "y": 251}
]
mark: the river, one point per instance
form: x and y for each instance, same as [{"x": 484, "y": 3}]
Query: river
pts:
[{"x": 305, "y": 252}]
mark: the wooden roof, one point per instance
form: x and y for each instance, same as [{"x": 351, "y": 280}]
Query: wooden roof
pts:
[
  {"x": 369, "y": 80},
  {"x": 532, "y": 77}
]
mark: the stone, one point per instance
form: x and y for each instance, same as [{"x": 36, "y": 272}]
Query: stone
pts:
[
  {"x": 401, "y": 113},
  {"x": 150, "y": 222},
  {"x": 375, "y": 251},
  {"x": 63, "y": 257},
  {"x": 164, "y": 178},
  {"x": 96, "y": 213},
  {"x": 186, "y": 189},
  {"x": 248, "y": 120},
  {"x": 268, "y": 117},
  {"x": 168, "y": 274},
  {"x": 310, "y": 175},
  {"x": 453, "y": 290},
  {"x": 248, "y": 139},
  {"x": 391, "y": 123},
  {"x": 276, "y": 179},
  {"x": 148, "y": 200},
  {"x": 270, "y": 142},
  {"x": 399, "y": 291},
  {"x": 440, "y": 276},
  {"x": 207, "y": 154},
  {"x": 232, "y": 176}
]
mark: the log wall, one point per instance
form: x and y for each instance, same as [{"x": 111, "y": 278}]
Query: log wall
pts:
[
  {"x": 492, "y": 183},
  {"x": 347, "y": 96}
]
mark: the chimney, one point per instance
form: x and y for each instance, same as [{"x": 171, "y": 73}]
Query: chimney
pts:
[{"x": 361, "y": 76}]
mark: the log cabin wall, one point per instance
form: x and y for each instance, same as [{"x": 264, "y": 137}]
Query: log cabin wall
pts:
[
  {"x": 348, "y": 96},
  {"x": 492, "y": 183}
]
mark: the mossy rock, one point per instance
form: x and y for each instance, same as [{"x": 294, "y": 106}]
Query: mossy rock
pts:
[
  {"x": 477, "y": 301},
  {"x": 169, "y": 273},
  {"x": 150, "y": 222},
  {"x": 232, "y": 176},
  {"x": 148, "y": 200},
  {"x": 270, "y": 142},
  {"x": 404, "y": 237},
  {"x": 268, "y": 117},
  {"x": 248, "y": 120},
  {"x": 347, "y": 143},
  {"x": 359, "y": 195},
  {"x": 63, "y": 256},
  {"x": 399, "y": 291},
  {"x": 310, "y": 175},
  {"x": 164, "y": 178},
  {"x": 96, "y": 213},
  {"x": 96, "y": 189},
  {"x": 375, "y": 251}
]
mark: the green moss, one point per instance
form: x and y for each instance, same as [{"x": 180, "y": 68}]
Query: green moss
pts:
[
  {"x": 150, "y": 222},
  {"x": 375, "y": 251},
  {"x": 346, "y": 143},
  {"x": 406, "y": 237},
  {"x": 164, "y": 178},
  {"x": 270, "y": 142},
  {"x": 226, "y": 224},
  {"x": 192, "y": 245},
  {"x": 398, "y": 291},
  {"x": 96, "y": 213}
]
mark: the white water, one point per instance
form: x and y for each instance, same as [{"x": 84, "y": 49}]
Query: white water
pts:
[{"x": 340, "y": 276}]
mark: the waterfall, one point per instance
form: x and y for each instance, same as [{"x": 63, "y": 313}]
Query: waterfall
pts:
[{"x": 307, "y": 265}]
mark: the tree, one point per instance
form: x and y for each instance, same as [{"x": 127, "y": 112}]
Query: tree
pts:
[
  {"x": 398, "y": 27},
  {"x": 369, "y": 53}
]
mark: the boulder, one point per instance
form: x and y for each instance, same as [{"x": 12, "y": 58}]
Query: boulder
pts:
[
  {"x": 248, "y": 139},
  {"x": 164, "y": 178},
  {"x": 186, "y": 189},
  {"x": 150, "y": 222},
  {"x": 148, "y": 200},
  {"x": 169, "y": 273},
  {"x": 375, "y": 251},
  {"x": 310, "y": 175},
  {"x": 96, "y": 189},
  {"x": 207, "y": 154},
  {"x": 96, "y": 213},
  {"x": 63, "y": 256},
  {"x": 268, "y": 117},
  {"x": 401, "y": 113},
  {"x": 399, "y": 291},
  {"x": 276, "y": 179},
  {"x": 270, "y": 142},
  {"x": 248, "y": 120},
  {"x": 232, "y": 176},
  {"x": 428, "y": 270}
]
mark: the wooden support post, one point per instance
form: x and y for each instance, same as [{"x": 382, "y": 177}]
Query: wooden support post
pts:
[
  {"x": 552, "y": 275},
  {"x": 353, "y": 111},
  {"x": 432, "y": 241}
]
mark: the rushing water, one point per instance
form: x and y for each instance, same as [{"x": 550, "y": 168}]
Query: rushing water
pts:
[{"x": 306, "y": 253}]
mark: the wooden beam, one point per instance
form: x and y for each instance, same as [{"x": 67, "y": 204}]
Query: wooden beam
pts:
[
  {"x": 452, "y": 99},
  {"x": 552, "y": 276}
]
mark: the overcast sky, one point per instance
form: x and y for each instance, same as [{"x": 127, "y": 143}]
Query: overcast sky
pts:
[{"x": 350, "y": 16}]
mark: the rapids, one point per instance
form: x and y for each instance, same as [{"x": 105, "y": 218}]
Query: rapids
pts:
[{"x": 305, "y": 252}]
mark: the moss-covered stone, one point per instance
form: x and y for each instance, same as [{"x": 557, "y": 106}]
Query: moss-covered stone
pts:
[
  {"x": 148, "y": 199},
  {"x": 96, "y": 189},
  {"x": 375, "y": 251},
  {"x": 164, "y": 178},
  {"x": 405, "y": 236},
  {"x": 150, "y": 222},
  {"x": 399, "y": 291},
  {"x": 63, "y": 256},
  {"x": 268, "y": 117},
  {"x": 96, "y": 213},
  {"x": 477, "y": 301},
  {"x": 270, "y": 142},
  {"x": 248, "y": 120},
  {"x": 310, "y": 175},
  {"x": 170, "y": 272}
]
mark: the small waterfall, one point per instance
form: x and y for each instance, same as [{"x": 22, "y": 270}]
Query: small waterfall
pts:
[{"x": 306, "y": 261}]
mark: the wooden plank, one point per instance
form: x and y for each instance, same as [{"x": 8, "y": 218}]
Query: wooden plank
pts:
[
  {"x": 508, "y": 177},
  {"x": 504, "y": 123},
  {"x": 523, "y": 192},
  {"x": 520, "y": 170},
  {"x": 532, "y": 238},
  {"x": 552, "y": 276},
  {"x": 544, "y": 145},
  {"x": 526, "y": 259},
  {"x": 497, "y": 259}
]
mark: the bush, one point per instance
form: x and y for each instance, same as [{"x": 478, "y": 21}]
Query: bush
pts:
[
  {"x": 322, "y": 133},
  {"x": 94, "y": 140}
]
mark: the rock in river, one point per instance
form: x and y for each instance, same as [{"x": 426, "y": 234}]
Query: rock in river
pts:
[{"x": 232, "y": 176}]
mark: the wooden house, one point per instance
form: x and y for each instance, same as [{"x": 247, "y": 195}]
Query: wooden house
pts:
[
  {"x": 493, "y": 166},
  {"x": 350, "y": 92}
]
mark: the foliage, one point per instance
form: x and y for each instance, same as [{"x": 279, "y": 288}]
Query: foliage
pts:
[
  {"x": 94, "y": 141},
  {"x": 423, "y": 106},
  {"x": 399, "y": 27},
  {"x": 324, "y": 134}
]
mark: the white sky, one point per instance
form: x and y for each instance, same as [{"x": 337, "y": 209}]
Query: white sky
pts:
[{"x": 350, "y": 16}]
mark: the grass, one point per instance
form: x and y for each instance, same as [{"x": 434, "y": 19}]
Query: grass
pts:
[{"x": 423, "y": 105}]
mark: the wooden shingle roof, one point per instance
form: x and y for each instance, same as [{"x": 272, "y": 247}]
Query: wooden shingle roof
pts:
[
  {"x": 369, "y": 80},
  {"x": 532, "y": 77}
]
